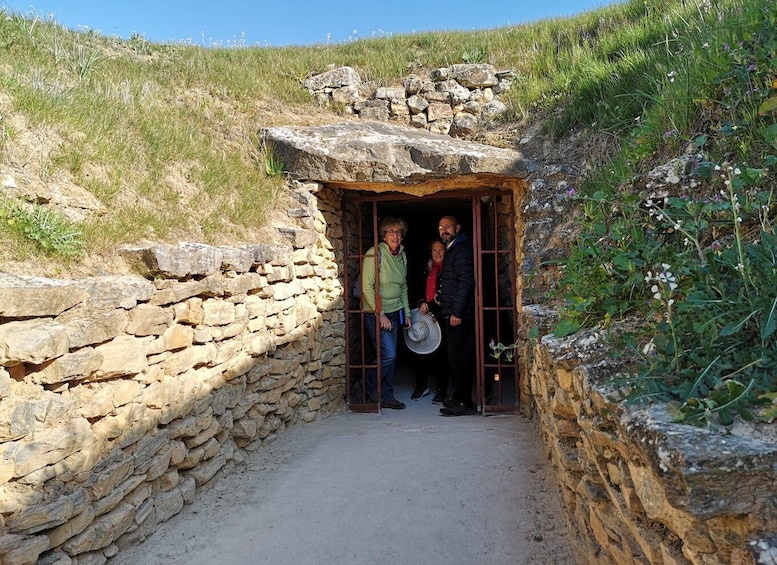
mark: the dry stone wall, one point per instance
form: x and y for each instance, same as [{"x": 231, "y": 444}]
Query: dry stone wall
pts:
[
  {"x": 453, "y": 100},
  {"x": 121, "y": 396},
  {"x": 639, "y": 488}
]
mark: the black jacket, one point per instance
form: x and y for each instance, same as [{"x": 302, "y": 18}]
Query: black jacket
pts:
[{"x": 457, "y": 296}]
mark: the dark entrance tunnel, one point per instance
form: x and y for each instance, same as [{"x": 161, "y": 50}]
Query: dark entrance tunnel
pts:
[{"x": 487, "y": 218}]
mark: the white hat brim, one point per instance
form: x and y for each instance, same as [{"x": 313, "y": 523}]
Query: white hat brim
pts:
[{"x": 426, "y": 334}]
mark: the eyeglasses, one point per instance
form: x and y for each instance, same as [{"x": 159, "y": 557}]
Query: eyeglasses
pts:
[
  {"x": 394, "y": 232},
  {"x": 445, "y": 226}
]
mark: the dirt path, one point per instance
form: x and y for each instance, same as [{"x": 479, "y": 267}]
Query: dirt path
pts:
[{"x": 403, "y": 487}]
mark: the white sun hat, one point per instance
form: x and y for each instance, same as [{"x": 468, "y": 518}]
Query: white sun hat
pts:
[{"x": 424, "y": 334}]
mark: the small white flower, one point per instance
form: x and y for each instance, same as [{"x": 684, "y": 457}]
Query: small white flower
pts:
[
  {"x": 737, "y": 172},
  {"x": 672, "y": 286},
  {"x": 665, "y": 266},
  {"x": 657, "y": 296},
  {"x": 717, "y": 167},
  {"x": 671, "y": 301},
  {"x": 654, "y": 289}
]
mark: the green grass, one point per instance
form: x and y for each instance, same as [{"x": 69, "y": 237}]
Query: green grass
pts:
[{"x": 130, "y": 114}]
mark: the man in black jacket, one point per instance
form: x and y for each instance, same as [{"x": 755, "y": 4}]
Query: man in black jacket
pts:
[{"x": 457, "y": 306}]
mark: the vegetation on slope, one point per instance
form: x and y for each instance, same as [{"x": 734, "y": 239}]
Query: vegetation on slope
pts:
[{"x": 700, "y": 263}]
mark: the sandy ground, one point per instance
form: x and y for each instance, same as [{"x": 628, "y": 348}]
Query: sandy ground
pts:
[{"x": 406, "y": 486}]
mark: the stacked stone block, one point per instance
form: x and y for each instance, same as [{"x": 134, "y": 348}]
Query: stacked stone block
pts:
[
  {"x": 121, "y": 396},
  {"x": 639, "y": 488}
]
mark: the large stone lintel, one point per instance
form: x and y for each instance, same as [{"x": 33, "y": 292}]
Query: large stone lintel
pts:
[{"x": 373, "y": 153}]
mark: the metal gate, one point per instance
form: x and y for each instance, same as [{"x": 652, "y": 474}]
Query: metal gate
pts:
[{"x": 488, "y": 217}]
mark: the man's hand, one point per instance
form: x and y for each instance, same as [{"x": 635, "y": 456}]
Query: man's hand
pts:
[{"x": 455, "y": 321}]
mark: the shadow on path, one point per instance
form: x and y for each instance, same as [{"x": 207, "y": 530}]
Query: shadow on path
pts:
[{"x": 404, "y": 487}]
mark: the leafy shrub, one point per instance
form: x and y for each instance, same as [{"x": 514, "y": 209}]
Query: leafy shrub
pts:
[{"x": 51, "y": 233}]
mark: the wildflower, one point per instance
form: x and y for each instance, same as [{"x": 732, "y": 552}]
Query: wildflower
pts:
[
  {"x": 671, "y": 76},
  {"x": 571, "y": 192},
  {"x": 705, "y": 45}
]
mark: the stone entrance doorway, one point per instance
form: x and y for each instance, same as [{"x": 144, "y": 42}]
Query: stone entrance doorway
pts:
[
  {"x": 367, "y": 170},
  {"x": 487, "y": 217}
]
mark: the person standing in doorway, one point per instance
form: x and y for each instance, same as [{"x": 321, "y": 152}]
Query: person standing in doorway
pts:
[
  {"x": 388, "y": 307},
  {"x": 457, "y": 308},
  {"x": 435, "y": 363}
]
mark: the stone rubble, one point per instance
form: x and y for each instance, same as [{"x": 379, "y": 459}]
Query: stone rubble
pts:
[{"x": 455, "y": 100}]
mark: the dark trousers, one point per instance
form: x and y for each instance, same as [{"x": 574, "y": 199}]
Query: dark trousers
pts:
[
  {"x": 461, "y": 359},
  {"x": 435, "y": 365}
]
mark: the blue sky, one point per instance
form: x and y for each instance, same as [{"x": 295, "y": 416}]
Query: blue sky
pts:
[{"x": 290, "y": 22}]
